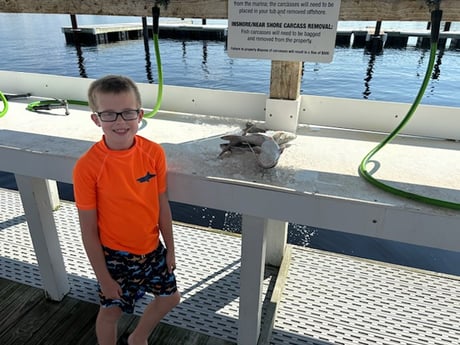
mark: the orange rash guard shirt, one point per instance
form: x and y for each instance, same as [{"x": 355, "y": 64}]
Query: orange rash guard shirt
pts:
[{"x": 123, "y": 186}]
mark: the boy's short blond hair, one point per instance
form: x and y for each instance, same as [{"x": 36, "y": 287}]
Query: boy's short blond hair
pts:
[{"x": 111, "y": 84}]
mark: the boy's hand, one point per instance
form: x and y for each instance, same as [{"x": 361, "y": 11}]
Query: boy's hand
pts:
[
  {"x": 171, "y": 261},
  {"x": 111, "y": 289}
]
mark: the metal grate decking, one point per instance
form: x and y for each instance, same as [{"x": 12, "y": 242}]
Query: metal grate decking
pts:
[
  {"x": 207, "y": 273},
  {"x": 327, "y": 299},
  {"x": 337, "y": 299}
]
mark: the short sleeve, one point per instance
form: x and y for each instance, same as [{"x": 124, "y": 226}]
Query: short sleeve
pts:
[
  {"x": 84, "y": 185},
  {"x": 161, "y": 167}
]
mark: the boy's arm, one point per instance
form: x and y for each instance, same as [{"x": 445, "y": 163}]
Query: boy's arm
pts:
[
  {"x": 165, "y": 223},
  {"x": 94, "y": 251}
]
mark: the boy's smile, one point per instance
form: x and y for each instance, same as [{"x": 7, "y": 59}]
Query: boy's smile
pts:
[{"x": 119, "y": 134}]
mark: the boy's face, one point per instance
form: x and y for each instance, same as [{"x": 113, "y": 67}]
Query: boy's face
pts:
[{"x": 119, "y": 134}]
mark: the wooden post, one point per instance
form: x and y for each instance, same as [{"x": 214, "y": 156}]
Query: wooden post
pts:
[
  {"x": 282, "y": 108},
  {"x": 73, "y": 19},
  {"x": 443, "y": 40},
  {"x": 285, "y": 79},
  {"x": 374, "y": 43},
  {"x": 378, "y": 26},
  {"x": 284, "y": 86}
]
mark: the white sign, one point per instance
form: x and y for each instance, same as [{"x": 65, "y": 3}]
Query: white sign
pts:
[{"x": 283, "y": 30}]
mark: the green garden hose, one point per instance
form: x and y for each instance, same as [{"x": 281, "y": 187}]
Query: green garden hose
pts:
[
  {"x": 362, "y": 167},
  {"x": 160, "y": 79},
  {"x": 49, "y": 104},
  {"x": 56, "y": 103},
  {"x": 5, "y": 105},
  {"x": 156, "y": 30}
]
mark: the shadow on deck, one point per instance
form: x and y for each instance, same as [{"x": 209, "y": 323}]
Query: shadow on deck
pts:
[{"x": 28, "y": 318}]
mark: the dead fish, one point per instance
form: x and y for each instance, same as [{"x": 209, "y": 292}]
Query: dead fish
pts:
[
  {"x": 253, "y": 139},
  {"x": 253, "y": 128},
  {"x": 282, "y": 138},
  {"x": 267, "y": 147},
  {"x": 242, "y": 143},
  {"x": 269, "y": 155}
]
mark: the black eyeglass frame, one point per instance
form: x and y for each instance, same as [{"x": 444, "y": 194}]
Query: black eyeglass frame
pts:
[{"x": 118, "y": 113}]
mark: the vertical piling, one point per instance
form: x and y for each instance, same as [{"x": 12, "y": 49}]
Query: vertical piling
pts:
[{"x": 374, "y": 42}]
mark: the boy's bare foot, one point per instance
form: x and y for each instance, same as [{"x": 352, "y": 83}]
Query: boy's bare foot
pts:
[{"x": 131, "y": 341}]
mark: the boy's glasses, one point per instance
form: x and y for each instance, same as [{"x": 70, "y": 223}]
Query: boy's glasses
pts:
[{"x": 111, "y": 116}]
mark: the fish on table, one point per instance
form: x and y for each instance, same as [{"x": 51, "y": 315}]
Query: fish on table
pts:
[{"x": 266, "y": 145}]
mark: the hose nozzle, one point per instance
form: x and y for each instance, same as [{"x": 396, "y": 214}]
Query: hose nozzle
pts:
[
  {"x": 433, "y": 4},
  {"x": 436, "y": 16},
  {"x": 156, "y": 20},
  {"x": 163, "y": 3}
]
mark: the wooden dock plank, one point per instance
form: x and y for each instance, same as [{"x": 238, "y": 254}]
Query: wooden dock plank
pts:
[
  {"x": 28, "y": 318},
  {"x": 15, "y": 302},
  {"x": 68, "y": 322}
]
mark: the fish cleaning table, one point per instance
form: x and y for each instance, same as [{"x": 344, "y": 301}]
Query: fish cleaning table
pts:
[{"x": 315, "y": 183}]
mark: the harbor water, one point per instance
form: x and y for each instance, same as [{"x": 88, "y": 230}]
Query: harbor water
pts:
[{"x": 35, "y": 43}]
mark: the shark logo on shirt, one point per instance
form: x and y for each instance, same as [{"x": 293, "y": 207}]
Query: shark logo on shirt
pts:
[{"x": 145, "y": 178}]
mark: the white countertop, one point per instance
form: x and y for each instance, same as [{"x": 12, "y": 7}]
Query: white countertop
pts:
[{"x": 319, "y": 161}]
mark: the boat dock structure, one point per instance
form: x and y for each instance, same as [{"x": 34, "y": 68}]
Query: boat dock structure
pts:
[
  {"x": 109, "y": 33},
  {"x": 252, "y": 288}
]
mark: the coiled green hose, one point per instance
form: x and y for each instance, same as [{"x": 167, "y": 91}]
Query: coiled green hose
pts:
[
  {"x": 362, "y": 167},
  {"x": 5, "y": 105},
  {"x": 34, "y": 106}
]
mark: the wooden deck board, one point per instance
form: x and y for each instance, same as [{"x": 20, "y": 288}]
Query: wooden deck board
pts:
[
  {"x": 28, "y": 318},
  {"x": 31, "y": 319}
]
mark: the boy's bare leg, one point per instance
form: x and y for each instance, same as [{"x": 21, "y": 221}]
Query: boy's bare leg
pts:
[
  {"x": 153, "y": 314},
  {"x": 106, "y": 325}
]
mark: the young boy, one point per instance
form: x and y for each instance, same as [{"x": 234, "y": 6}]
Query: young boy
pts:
[{"x": 120, "y": 193}]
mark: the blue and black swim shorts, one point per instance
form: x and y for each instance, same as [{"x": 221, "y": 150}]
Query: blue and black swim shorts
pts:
[{"x": 137, "y": 275}]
